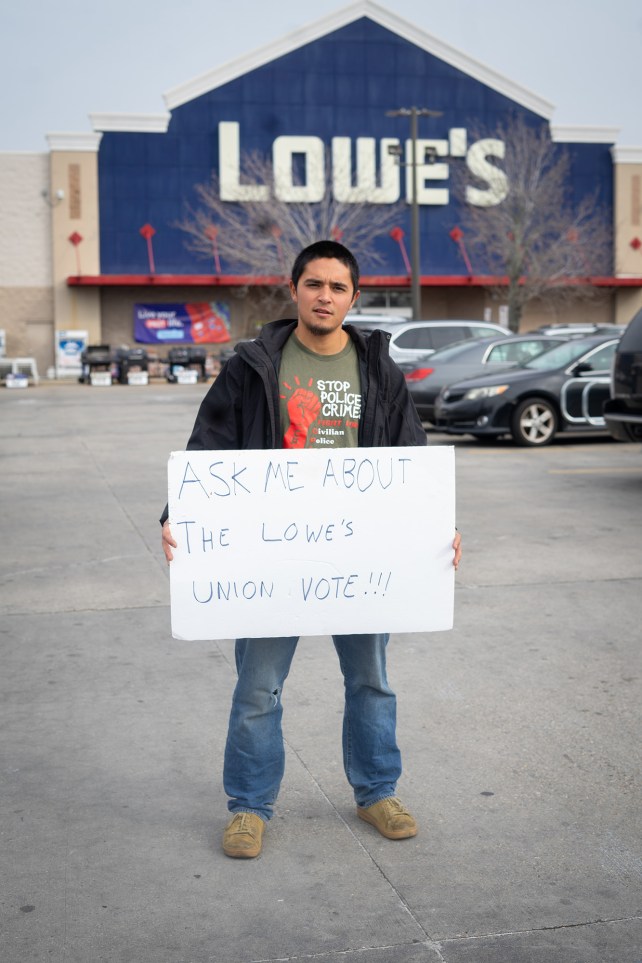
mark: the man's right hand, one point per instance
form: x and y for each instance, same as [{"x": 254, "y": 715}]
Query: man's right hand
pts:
[{"x": 168, "y": 542}]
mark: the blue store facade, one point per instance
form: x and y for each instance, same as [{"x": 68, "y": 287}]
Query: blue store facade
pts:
[{"x": 316, "y": 107}]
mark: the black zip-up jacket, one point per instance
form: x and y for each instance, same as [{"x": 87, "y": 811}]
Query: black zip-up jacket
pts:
[{"x": 241, "y": 409}]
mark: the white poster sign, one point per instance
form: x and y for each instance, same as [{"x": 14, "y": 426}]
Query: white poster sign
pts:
[
  {"x": 289, "y": 542},
  {"x": 69, "y": 348}
]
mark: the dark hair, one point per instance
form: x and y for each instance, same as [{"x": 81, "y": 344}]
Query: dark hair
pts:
[{"x": 328, "y": 249}]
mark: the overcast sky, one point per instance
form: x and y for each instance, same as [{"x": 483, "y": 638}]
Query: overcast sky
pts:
[{"x": 60, "y": 61}]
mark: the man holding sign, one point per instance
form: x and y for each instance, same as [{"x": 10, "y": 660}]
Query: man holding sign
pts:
[{"x": 310, "y": 383}]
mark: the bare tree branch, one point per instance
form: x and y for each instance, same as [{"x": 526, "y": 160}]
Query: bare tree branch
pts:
[
  {"x": 264, "y": 237},
  {"x": 522, "y": 224}
]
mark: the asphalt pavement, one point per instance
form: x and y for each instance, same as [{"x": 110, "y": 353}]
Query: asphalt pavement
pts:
[{"x": 520, "y": 728}]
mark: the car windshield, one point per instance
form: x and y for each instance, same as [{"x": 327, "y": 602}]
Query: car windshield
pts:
[
  {"x": 453, "y": 351},
  {"x": 558, "y": 357}
]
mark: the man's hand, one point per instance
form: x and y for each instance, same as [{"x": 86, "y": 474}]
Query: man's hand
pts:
[
  {"x": 168, "y": 542},
  {"x": 457, "y": 548}
]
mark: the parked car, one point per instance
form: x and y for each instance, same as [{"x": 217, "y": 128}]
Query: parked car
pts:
[
  {"x": 368, "y": 322},
  {"x": 578, "y": 330},
  {"x": 563, "y": 389},
  {"x": 623, "y": 410},
  {"x": 412, "y": 340},
  {"x": 467, "y": 359}
]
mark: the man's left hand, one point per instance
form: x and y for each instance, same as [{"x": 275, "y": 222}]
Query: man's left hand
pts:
[{"x": 457, "y": 548}]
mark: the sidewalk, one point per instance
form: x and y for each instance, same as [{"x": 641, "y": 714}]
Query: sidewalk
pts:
[{"x": 520, "y": 728}]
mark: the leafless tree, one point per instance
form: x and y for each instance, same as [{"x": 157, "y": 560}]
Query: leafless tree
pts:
[
  {"x": 263, "y": 237},
  {"x": 522, "y": 225}
]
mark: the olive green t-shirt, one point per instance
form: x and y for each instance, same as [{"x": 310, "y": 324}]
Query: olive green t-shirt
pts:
[{"x": 320, "y": 397}]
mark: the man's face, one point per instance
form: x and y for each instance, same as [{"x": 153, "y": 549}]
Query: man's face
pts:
[{"x": 323, "y": 296}]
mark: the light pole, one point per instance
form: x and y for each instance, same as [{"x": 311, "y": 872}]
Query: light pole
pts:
[{"x": 415, "y": 266}]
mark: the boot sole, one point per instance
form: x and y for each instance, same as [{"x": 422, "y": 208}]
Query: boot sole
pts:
[{"x": 242, "y": 854}]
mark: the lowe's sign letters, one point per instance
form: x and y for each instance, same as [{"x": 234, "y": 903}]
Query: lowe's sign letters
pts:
[{"x": 366, "y": 186}]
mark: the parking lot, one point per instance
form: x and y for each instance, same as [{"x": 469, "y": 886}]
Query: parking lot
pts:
[{"x": 519, "y": 728}]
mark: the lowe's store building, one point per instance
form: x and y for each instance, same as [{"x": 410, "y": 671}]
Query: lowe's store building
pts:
[{"x": 90, "y": 238}]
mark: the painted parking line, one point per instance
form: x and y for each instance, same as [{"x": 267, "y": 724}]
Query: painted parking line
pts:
[{"x": 594, "y": 471}]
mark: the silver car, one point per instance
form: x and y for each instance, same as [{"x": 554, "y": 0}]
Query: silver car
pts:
[{"x": 412, "y": 340}]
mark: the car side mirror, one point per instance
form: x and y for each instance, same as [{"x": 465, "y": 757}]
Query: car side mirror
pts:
[{"x": 582, "y": 368}]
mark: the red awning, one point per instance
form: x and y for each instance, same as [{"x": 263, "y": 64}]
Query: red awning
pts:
[{"x": 388, "y": 281}]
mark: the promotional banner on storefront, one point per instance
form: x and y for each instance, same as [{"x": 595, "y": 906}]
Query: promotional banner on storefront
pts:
[{"x": 188, "y": 323}]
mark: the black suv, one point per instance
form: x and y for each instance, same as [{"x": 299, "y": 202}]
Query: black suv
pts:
[{"x": 623, "y": 411}]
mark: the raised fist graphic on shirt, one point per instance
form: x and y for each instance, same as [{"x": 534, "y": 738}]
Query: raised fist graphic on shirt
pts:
[{"x": 303, "y": 408}]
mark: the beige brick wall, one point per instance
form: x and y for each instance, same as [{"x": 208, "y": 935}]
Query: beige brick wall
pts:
[
  {"x": 25, "y": 221},
  {"x": 629, "y": 302},
  {"x": 597, "y": 309},
  {"x": 628, "y": 219},
  {"x": 75, "y": 172},
  {"x": 628, "y": 230},
  {"x": 26, "y": 294},
  {"x": 26, "y": 314},
  {"x": 465, "y": 303}
]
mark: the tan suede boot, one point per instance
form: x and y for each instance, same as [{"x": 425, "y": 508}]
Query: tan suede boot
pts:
[
  {"x": 390, "y": 817},
  {"x": 243, "y": 837}
]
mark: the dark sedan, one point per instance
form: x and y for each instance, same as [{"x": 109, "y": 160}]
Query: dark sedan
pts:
[
  {"x": 468, "y": 359},
  {"x": 623, "y": 410},
  {"x": 563, "y": 389}
]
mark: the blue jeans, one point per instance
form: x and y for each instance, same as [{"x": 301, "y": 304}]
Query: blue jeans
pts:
[{"x": 254, "y": 753}]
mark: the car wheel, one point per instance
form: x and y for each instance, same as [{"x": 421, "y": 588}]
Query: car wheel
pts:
[{"x": 534, "y": 423}]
